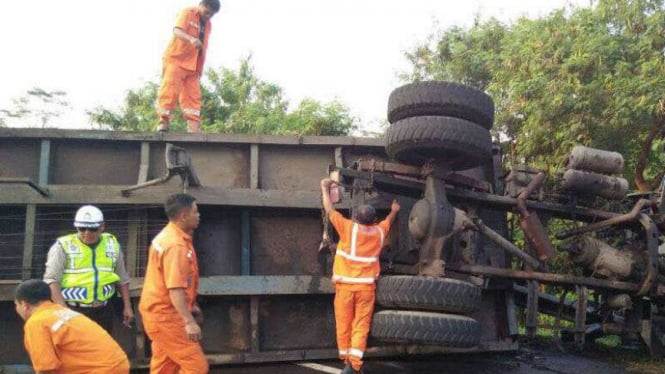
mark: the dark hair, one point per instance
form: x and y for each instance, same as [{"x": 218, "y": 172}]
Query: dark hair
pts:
[
  {"x": 176, "y": 203},
  {"x": 211, "y": 4},
  {"x": 364, "y": 214},
  {"x": 33, "y": 291}
]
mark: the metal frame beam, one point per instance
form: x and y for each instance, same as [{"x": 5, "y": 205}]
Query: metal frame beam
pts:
[
  {"x": 190, "y": 138},
  {"x": 205, "y": 195},
  {"x": 230, "y": 285}
]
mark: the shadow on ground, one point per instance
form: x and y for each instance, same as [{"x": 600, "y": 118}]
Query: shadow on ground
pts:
[{"x": 540, "y": 357}]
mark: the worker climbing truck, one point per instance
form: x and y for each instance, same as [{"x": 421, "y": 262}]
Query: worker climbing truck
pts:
[{"x": 476, "y": 240}]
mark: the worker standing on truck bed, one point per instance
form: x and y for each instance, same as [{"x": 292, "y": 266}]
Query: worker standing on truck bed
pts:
[
  {"x": 355, "y": 270},
  {"x": 171, "y": 316},
  {"x": 183, "y": 66},
  {"x": 60, "y": 340},
  {"x": 82, "y": 270}
]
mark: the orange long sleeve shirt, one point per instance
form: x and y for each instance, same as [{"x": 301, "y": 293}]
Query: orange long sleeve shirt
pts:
[
  {"x": 183, "y": 53},
  {"x": 61, "y": 340},
  {"x": 172, "y": 264}
]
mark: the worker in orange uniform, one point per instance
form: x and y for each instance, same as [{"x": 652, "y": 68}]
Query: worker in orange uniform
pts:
[
  {"x": 60, "y": 340},
  {"x": 168, "y": 307},
  {"x": 183, "y": 66},
  {"x": 355, "y": 270}
]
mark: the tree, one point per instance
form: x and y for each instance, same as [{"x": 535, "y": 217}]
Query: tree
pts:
[
  {"x": 235, "y": 102},
  {"x": 36, "y": 108},
  {"x": 136, "y": 114},
  {"x": 592, "y": 76}
]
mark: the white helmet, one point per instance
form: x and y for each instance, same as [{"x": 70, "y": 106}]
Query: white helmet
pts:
[{"x": 88, "y": 216}]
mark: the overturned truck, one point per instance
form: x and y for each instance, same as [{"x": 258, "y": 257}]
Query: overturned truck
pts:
[{"x": 454, "y": 270}]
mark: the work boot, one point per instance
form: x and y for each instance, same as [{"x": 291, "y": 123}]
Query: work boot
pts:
[
  {"x": 193, "y": 126},
  {"x": 163, "y": 125},
  {"x": 348, "y": 369}
]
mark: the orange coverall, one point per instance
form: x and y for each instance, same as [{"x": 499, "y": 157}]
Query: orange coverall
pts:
[
  {"x": 355, "y": 270},
  {"x": 183, "y": 66},
  {"x": 61, "y": 340},
  {"x": 172, "y": 264}
]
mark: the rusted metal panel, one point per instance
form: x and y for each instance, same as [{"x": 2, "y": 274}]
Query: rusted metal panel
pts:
[
  {"x": 20, "y": 158},
  {"x": 11, "y": 336},
  {"x": 218, "y": 242},
  {"x": 87, "y": 162},
  {"x": 12, "y": 239},
  {"x": 226, "y": 327},
  {"x": 282, "y": 321},
  {"x": 293, "y": 169},
  {"x": 286, "y": 243}
]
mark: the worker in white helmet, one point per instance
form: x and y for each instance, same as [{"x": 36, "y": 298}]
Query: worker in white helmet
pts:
[{"x": 84, "y": 268}]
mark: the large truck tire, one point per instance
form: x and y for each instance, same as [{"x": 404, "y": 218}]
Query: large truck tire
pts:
[
  {"x": 460, "y": 143},
  {"x": 441, "y": 99},
  {"x": 413, "y": 327},
  {"x": 428, "y": 294}
]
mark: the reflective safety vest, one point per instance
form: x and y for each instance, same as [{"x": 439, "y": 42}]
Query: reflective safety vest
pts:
[
  {"x": 359, "y": 263},
  {"x": 90, "y": 272}
]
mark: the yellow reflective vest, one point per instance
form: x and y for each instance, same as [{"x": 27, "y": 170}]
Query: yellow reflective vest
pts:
[{"x": 90, "y": 272}]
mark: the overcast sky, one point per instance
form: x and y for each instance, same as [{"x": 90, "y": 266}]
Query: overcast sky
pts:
[{"x": 350, "y": 50}]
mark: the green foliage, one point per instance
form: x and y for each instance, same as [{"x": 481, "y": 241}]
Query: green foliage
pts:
[
  {"x": 234, "y": 102},
  {"x": 137, "y": 113},
  {"x": 592, "y": 76}
]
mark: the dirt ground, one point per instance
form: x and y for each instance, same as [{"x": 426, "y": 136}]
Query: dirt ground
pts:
[{"x": 541, "y": 357}]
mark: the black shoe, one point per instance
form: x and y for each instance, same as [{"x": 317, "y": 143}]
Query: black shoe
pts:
[{"x": 348, "y": 370}]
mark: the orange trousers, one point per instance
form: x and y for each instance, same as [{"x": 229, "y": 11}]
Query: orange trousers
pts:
[
  {"x": 173, "y": 352},
  {"x": 182, "y": 85},
  {"x": 354, "y": 306}
]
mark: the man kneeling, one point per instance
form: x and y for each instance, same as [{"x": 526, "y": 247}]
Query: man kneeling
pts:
[{"x": 60, "y": 340}]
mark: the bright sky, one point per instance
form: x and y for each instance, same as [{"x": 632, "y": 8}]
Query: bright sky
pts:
[{"x": 350, "y": 50}]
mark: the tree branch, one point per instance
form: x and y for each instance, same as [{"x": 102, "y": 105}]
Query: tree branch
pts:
[{"x": 642, "y": 160}]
